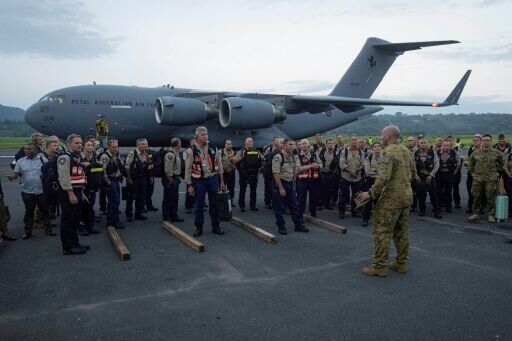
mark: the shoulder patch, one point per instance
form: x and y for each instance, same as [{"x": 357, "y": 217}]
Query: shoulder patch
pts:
[
  {"x": 62, "y": 161},
  {"x": 277, "y": 158}
]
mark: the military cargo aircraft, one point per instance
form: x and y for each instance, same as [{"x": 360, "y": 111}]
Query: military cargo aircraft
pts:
[{"x": 159, "y": 113}]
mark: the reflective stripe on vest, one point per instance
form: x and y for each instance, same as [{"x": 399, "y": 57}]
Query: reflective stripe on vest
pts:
[
  {"x": 77, "y": 176},
  {"x": 311, "y": 173}
]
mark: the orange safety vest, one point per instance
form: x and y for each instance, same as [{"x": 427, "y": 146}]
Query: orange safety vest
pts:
[
  {"x": 77, "y": 172},
  {"x": 311, "y": 173},
  {"x": 197, "y": 169}
]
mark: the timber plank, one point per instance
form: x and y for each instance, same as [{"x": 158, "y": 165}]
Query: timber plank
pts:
[
  {"x": 325, "y": 224},
  {"x": 259, "y": 232},
  {"x": 118, "y": 243},
  {"x": 184, "y": 237}
]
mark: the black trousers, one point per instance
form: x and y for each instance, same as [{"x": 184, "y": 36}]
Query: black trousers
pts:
[
  {"x": 229, "y": 180},
  {"x": 252, "y": 181},
  {"x": 69, "y": 219},
  {"x": 444, "y": 186},
  {"x": 32, "y": 201},
  {"x": 414, "y": 197},
  {"x": 150, "y": 188},
  {"x": 103, "y": 199},
  {"x": 88, "y": 214},
  {"x": 508, "y": 187},
  {"x": 171, "y": 198},
  {"x": 137, "y": 193},
  {"x": 267, "y": 181},
  {"x": 303, "y": 187},
  {"x": 456, "y": 188},
  {"x": 329, "y": 183},
  {"x": 348, "y": 189},
  {"x": 189, "y": 201},
  {"x": 422, "y": 189},
  {"x": 469, "y": 184},
  {"x": 367, "y": 209}
]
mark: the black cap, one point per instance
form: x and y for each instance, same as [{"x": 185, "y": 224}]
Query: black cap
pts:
[{"x": 501, "y": 136}]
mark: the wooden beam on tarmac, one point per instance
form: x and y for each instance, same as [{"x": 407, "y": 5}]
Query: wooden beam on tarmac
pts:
[
  {"x": 118, "y": 243},
  {"x": 325, "y": 224},
  {"x": 185, "y": 238},
  {"x": 258, "y": 232}
]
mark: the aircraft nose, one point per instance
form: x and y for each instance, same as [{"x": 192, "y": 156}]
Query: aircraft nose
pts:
[{"x": 32, "y": 118}]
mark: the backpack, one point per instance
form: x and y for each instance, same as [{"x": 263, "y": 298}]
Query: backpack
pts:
[
  {"x": 267, "y": 166},
  {"x": 158, "y": 159},
  {"x": 19, "y": 154},
  {"x": 182, "y": 168},
  {"x": 50, "y": 178}
]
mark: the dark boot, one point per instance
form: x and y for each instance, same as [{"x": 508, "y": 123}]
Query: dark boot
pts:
[
  {"x": 301, "y": 228},
  {"x": 82, "y": 230},
  {"x": 437, "y": 213},
  {"x": 199, "y": 230},
  {"x": 49, "y": 232},
  {"x": 216, "y": 229}
]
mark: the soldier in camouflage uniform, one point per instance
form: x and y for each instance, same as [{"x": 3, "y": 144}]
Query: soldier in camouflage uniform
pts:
[
  {"x": 4, "y": 218},
  {"x": 393, "y": 196},
  {"x": 484, "y": 165}
]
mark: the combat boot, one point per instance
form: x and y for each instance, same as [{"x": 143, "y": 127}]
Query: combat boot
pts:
[
  {"x": 437, "y": 214},
  {"x": 49, "y": 232},
  {"x": 371, "y": 271},
  {"x": 82, "y": 230},
  {"x": 402, "y": 268},
  {"x": 199, "y": 230},
  {"x": 216, "y": 229},
  {"x": 474, "y": 217},
  {"x": 9, "y": 237},
  {"x": 491, "y": 219},
  {"x": 301, "y": 228}
]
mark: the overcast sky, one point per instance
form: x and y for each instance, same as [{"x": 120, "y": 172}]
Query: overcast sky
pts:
[{"x": 282, "y": 46}]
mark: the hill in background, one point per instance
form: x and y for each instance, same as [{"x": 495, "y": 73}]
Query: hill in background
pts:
[
  {"x": 11, "y": 113},
  {"x": 433, "y": 125}
]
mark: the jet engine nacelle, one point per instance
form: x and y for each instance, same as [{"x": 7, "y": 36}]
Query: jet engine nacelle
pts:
[
  {"x": 177, "y": 111},
  {"x": 246, "y": 113}
]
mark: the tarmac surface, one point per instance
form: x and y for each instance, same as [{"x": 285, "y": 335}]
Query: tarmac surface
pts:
[{"x": 307, "y": 286}]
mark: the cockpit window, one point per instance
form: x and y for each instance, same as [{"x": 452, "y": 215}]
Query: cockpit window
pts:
[
  {"x": 55, "y": 99},
  {"x": 58, "y": 99}
]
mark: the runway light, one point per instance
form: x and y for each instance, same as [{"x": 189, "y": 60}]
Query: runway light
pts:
[{"x": 435, "y": 105}]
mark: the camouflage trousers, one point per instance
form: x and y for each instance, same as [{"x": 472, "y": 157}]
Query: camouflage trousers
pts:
[
  {"x": 390, "y": 224},
  {"x": 484, "y": 189}
]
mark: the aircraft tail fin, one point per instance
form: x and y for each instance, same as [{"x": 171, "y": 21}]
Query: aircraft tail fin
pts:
[
  {"x": 371, "y": 65},
  {"x": 453, "y": 97}
]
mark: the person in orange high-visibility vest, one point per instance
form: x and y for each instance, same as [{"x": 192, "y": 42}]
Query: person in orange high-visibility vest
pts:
[{"x": 309, "y": 180}]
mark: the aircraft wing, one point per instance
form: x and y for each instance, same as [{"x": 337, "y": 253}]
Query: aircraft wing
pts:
[
  {"x": 321, "y": 103},
  {"x": 452, "y": 99}
]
